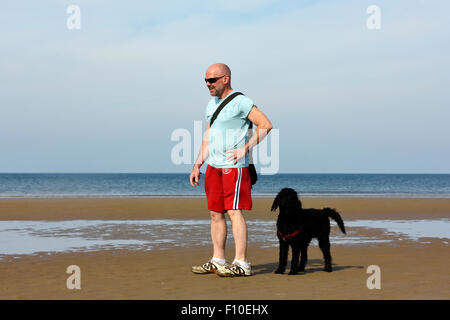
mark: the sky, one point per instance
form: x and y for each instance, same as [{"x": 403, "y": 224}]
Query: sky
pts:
[{"x": 109, "y": 96}]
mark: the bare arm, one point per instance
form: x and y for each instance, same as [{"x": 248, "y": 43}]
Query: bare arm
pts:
[
  {"x": 202, "y": 156},
  {"x": 263, "y": 127}
]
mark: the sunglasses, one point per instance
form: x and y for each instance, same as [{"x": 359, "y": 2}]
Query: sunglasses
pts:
[{"x": 213, "y": 80}]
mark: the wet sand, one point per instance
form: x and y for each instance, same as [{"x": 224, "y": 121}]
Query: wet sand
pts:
[{"x": 409, "y": 269}]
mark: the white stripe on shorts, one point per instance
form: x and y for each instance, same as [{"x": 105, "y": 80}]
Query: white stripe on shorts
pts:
[{"x": 237, "y": 190}]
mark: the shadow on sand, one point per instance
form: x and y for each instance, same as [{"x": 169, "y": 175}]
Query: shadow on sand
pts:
[{"x": 313, "y": 265}]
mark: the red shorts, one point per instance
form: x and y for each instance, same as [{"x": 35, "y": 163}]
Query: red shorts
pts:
[{"x": 228, "y": 189}]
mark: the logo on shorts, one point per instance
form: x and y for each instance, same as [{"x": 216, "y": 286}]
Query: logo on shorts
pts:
[{"x": 226, "y": 171}]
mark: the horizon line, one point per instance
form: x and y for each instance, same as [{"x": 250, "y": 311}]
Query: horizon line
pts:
[{"x": 440, "y": 173}]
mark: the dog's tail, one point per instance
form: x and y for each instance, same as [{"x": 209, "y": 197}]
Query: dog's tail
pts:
[{"x": 333, "y": 214}]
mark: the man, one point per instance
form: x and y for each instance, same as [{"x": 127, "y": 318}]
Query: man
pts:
[{"x": 227, "y": 179}]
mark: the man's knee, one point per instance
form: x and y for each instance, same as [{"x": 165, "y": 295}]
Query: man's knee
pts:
[
  {"x": 234, "y": 214},
  {"x": 216, "y": 216}
]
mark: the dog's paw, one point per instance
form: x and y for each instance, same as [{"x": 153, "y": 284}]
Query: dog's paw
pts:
[
  {"x": 293, "y": 272},
  {"x": 279, "y": 271}
]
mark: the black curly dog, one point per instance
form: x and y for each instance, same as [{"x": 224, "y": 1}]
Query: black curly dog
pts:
[{"x": 297, "y": 226}]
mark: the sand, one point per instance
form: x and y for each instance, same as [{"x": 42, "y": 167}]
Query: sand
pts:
[
  {"x": 409, "y": 269},
  {"x": 195, "y": 208}
]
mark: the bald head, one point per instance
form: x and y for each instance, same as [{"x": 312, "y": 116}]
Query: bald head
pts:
[
  {"x": 220, "y": 84},
  {"x": 218, "y": 70}
]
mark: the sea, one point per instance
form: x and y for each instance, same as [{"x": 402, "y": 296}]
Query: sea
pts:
[{"x": 47, "y": 185}]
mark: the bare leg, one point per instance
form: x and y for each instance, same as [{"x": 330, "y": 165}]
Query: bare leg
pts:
[
  {"x": 218, "y": 234},
  {"x": 239, "y": 234}
]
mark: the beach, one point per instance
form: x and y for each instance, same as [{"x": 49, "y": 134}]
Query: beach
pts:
[{"x": 411, "y": 268}]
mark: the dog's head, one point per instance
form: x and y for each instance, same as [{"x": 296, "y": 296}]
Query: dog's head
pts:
[{"x": 287, "y": 200}]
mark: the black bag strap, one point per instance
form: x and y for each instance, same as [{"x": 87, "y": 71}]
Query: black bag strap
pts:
[{"x": 222, "y": 105}]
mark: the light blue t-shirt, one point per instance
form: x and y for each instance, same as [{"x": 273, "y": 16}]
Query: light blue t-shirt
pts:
[{"x": 229, "y": 131}]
